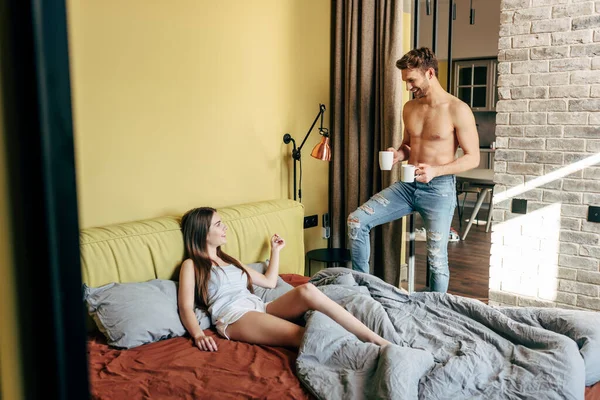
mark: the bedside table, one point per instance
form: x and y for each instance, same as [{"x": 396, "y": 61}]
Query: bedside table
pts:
[{"x": 328, "y": 256}]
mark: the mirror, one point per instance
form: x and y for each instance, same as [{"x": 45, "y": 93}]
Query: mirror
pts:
[{"x": 467, "y": 58}]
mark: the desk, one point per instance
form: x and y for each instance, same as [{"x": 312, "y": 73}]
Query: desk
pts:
[
  {"x": 484, "y": 180},
  {"x": 327, "y": 256}
]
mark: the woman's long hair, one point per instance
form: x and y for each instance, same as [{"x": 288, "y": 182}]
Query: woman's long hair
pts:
[{"x": 195, "y": 225}]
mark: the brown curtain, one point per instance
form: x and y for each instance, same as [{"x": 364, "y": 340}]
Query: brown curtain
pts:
[{"x": 365, "y": 118}]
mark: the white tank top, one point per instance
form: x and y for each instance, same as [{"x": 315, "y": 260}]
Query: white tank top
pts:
[{"x": 226, "y": 286}]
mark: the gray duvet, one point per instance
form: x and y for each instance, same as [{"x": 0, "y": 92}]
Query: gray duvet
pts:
[{"x": 446, "y": 347}]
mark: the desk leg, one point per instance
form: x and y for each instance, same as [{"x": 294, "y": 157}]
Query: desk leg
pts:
[
  {"x": 490, "y": 209},
  {"x": 480, "y": 198},
  {"x": 459, "y": 211},
  {"x": 411, "y": 253}
]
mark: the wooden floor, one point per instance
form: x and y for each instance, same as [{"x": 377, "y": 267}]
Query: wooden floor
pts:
[{"x": 469, "y": 259}]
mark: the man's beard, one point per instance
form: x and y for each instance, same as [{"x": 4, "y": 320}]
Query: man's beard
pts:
[{"x": 419, "y": 93}]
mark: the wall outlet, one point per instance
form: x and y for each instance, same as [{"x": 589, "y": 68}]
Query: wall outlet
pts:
[
  {"x": 593, "y": 214},
  {"x": 311, "y": 220},
  {"x": 519, "y": 206}
]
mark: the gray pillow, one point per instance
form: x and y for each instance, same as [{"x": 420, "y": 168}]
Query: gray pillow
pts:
[
  {"x": 132, "y": 314},
  {"x": 267, "y": 294}
]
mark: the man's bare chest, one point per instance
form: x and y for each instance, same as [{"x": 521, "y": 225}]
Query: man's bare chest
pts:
[{"x": 430, "y": 125}]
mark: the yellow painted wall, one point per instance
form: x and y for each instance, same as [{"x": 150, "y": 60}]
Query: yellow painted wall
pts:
[
  {"x": 443, "y": 72},
  {"x": 183, "y": 104},
  {"x": 10, "y": 363}
]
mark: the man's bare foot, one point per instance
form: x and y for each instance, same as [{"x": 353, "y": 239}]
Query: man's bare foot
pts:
[{"x": 381, "y": 341}]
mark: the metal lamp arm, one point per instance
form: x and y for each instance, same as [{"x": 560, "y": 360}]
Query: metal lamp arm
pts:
[
  {"x": 321, "y": 111},
  {"x": 287, "y": 138}
]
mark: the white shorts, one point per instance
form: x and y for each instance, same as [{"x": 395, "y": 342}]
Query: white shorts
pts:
[{"x": 237, "y": 310}]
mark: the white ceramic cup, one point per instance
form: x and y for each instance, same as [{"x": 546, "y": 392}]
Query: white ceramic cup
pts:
[
  {"x": 408, "y": 173},
  {"x": 386, "y": 160}
]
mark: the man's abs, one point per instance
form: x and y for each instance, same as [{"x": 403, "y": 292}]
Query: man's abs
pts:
[{"x": 432, "y": 152}]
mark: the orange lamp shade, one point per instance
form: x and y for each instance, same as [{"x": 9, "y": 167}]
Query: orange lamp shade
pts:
[{"x": 322, "y": 151}]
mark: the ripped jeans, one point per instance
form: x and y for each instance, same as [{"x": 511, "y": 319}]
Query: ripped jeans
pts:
[{"x": 435, "y": 201}]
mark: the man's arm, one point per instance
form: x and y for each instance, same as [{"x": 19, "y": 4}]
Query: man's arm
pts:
[
  {"x": 403, "y": 152},
  {"x": 468, "y": 139},
  {"x": 404, "y": 148}
]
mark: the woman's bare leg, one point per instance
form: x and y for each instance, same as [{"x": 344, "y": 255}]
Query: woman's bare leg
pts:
[
  {"x": 307, "y": 297},
  {"x": 260, "y": 328}
]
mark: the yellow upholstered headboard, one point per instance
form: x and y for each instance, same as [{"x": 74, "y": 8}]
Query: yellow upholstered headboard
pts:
[{"x": 153, "y": 249}]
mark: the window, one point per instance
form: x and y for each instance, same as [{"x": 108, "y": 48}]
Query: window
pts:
[{"x": 475, "y": 83}]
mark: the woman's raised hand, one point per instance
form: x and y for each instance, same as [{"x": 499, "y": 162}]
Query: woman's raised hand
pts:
[
  {"x": 205, "y": 343},
  {"x": 277, "y": 242}
]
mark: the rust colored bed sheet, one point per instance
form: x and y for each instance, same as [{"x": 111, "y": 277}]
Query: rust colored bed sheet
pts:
[
  {"x": 592, "y": 392},
  {"x": 176, "y": 369}
]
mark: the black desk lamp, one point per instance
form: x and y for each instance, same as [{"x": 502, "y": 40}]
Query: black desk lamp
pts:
[{"x": 321, "y": 151}]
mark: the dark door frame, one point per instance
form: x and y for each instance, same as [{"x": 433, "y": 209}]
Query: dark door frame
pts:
[
  {"x": 38, "y": 126},
  {"x": 434, "y": 35}
]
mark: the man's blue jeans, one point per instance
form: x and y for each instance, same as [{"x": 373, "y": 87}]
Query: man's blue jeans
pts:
[{"x": 435, "y": 201}]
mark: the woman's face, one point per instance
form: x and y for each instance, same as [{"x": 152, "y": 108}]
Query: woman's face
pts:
[{"x": 216, "y": 233}]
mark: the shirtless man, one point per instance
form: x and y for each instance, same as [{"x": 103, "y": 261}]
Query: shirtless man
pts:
[{"x": 435, "y": 123}]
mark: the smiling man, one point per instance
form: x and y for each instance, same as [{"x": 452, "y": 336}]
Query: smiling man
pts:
[{"x": 435, "y": 123}]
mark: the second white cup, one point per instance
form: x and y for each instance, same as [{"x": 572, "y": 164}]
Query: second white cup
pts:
[
  {"x": 386, "y": 160},
  {"x": 408, "y": 173}
]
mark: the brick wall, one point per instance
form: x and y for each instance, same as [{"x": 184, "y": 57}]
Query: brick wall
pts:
[{"x": 548, "y": 152}]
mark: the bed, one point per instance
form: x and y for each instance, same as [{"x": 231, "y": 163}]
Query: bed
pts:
[
  {"x": 134, "y": 356},
  {"x": 165, "y": 364},
  {"x": 175, "y": 369}
]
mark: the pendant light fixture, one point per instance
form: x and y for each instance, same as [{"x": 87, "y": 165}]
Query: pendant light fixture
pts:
[{"x": 472, "y": 14}]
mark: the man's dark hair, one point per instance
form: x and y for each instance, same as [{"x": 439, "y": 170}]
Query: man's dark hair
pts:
[{"x": 421, "y": 58}]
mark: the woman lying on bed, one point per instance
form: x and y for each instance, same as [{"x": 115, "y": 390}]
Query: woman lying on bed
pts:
[{"x": 223, "y": 286}]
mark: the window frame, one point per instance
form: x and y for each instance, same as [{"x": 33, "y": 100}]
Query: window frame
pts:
[{"x": 491, "y": 96}]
